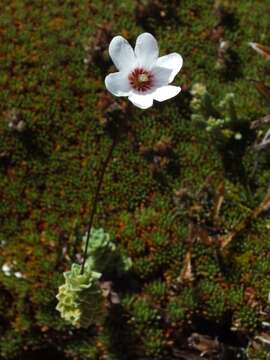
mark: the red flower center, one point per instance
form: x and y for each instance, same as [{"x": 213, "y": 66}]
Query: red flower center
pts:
[{"x": 141, "y": 80}]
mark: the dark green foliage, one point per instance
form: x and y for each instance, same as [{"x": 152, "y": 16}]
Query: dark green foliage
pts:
[
  {"x": 182, "y": 306},
  {"x": 53, "y": 60}
]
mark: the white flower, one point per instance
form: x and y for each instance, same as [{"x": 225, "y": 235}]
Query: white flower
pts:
[
  {"x": 6, "y": 269},
  {"x": 142, "y": 76},
  {"x": 18, "y": 275}
]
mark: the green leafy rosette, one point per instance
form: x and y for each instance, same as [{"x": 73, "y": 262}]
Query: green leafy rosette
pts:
[
  {"x": 79, "y": 298},
  {"x": 103, "y": 256}
]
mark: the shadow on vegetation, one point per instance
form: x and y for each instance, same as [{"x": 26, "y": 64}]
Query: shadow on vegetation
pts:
[
  {"x": 42, "y": 354},
  {"x": 151, "y": 14},
  {"x": 231, "y": 68},
  {"x": 34, "y": 150},
  {"x": 232, "y": 342},
  {"x": 123, "y": 341},
  {"x": 234, "y": 149}
]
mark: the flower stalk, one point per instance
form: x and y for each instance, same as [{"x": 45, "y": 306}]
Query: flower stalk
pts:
[{"x": 96, "y": 198}]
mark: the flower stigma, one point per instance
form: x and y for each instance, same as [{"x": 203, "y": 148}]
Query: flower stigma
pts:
[{"x": 143, "y": 78}]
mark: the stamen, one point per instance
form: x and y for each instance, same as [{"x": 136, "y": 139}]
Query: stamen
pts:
[{"x": 141, "y": 80}]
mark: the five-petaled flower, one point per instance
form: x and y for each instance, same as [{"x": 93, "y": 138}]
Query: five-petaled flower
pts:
[{"x": 142, "y": 76}]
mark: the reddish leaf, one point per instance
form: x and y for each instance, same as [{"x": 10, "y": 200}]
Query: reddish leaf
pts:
[
  {"x": 263, "y": 89},
  {"x": 261, "y": 49}
]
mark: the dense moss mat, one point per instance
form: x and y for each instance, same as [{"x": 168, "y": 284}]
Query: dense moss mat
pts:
[{"x": 159, "y": 191}]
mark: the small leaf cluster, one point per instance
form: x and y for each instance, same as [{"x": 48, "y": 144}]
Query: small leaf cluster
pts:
[
  {"x": 79, "y": 297},
  {"x": 103, "y": 255},
  {"x": 221, "y": 120}
]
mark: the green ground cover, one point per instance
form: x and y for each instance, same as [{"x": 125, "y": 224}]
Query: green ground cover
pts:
[{"x": 161, "y": 189}]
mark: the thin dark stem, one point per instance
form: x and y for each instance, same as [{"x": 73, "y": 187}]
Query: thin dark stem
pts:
[{"x": 96, "y": 198}]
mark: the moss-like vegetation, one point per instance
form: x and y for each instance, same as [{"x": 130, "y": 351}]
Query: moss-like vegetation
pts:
[{"x": 161, "y": 191}]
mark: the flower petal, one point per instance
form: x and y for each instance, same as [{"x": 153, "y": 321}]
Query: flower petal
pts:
[
  {"x": 146, "y": 50},
  {"x": 121, "y": 53},
  {"x": 161, "y": 76},
  {"x": 173, "y": 62},
  {"x": 142, "y": 101},
  {"x": 118, "y": 84},
  {"x": 166, "y": 92}
]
